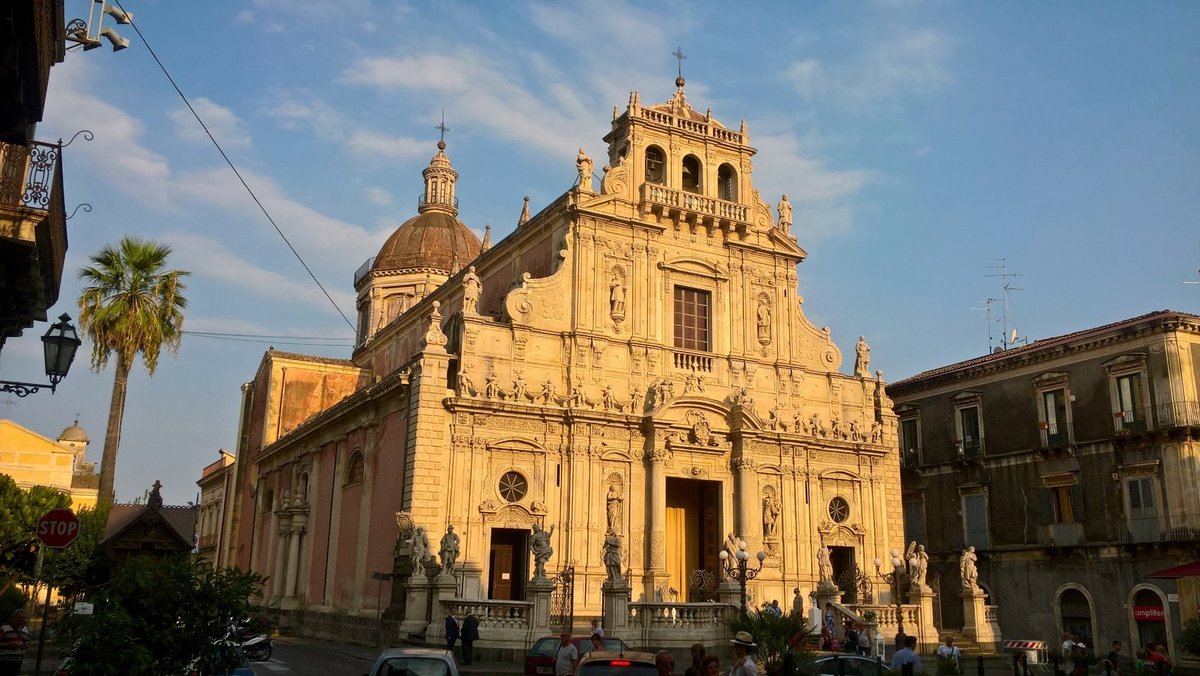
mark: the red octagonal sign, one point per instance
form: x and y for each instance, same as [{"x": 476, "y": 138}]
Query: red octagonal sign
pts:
[{"x": 58, "y": 528}]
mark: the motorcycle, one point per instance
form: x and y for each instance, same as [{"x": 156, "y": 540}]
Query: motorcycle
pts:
[{"x": 255, "y": 645}]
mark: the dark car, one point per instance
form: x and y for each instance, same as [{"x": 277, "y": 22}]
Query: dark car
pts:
[
  {"x": 539, "y": 661},
  {"x": 850, "y": 665},
  {"x": 621, "y": 663}
]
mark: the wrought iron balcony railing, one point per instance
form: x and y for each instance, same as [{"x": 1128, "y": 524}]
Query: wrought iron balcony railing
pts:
[
  {"x": 1055, "y": 435},
  {"x": 1165, "y": 416},
  {"x": 1178, "y": 528},
  {"x": 28, "y": 174}
]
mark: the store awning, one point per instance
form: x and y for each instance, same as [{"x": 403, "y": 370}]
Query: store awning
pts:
[{"x": 1186, "y": 570}]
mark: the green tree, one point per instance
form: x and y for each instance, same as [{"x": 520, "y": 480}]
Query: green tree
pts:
[
  {"x": 20, "y": 509},
  {"x": 132, "y": 305},
  {"x": 777, "y": 636},
  {"x": 1190, "y": 638},
  {"x": 161, "y": 617}
]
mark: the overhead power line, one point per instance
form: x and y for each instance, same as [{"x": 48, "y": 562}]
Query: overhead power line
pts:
[{"x": 235, "y": 169}]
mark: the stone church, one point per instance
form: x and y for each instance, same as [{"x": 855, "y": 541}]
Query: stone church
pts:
[{"x": 633, "y": 358}]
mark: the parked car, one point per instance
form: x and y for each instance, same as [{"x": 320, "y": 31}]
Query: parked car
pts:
[
  {"x": 539, "y": 660},
  {"x": 616, "y": 663},
  {"x": 414, "y": 662},
  {"x": 850, "y": 665}
]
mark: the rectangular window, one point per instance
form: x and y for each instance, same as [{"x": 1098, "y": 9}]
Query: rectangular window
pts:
[
  {"x": 1129, "y": 415},
  {"x": 692, "y": 312},
  {"x": 975, "y": 521},
  {"x": 1143, "y": 514},
  {"x": 1060, "y": 503},
  {"x": 910, "y": 443},
  {"x": 914, "y": 519},
  {"x": 969, "y": 420},
  {"x": 1054, "y": 412}
]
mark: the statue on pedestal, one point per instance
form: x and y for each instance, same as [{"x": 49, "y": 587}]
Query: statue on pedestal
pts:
[
  {"x": 824, "y": 565},
  {"x": 539, "y": 545},
  {"x": 919, "y": 567},
  {"x": 968, "y": 571},
  {"x": 862, "y": 358},
  {"x": 612, "y": 557},
  {"x": 472, "y": 287},
  {"x": 449, "y": 550},
  {"x": 785, "y": 213},
  {"x": 615, "y": 506},
  {"x": 770, "y": 514},
  {"x": 584, "y": 164},
  {"x": 420, "y": 550}
]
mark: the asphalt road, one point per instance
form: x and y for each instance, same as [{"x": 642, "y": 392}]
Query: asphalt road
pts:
[{"x": 304, "y": 659}]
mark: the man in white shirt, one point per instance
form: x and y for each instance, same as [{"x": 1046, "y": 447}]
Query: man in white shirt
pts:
[
  {"x": 950, "y": 651},
  {"x": 597, "y": 629},
  {"x": 908, "y": 655},
  {"x": 566, "y": 655}
]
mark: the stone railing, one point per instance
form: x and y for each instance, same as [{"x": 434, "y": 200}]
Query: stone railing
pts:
[
  {"x": 677, "y": 625},
  {"x": 678, "y": 199},
  {"x": 886, "y": 617},
  {"x": 692, "y": 361},
  {"x": 694, "y": 126},
  {"x": 501, "y": 623}
]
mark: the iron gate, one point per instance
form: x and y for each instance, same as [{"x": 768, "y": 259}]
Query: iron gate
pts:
[{"x": 562, "y": 599}]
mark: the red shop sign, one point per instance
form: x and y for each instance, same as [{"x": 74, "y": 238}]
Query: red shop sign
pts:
[{"x": 1149, "y": 613}]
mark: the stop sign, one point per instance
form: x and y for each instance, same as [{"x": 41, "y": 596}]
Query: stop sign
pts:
[{"x": 58, "y": 528}]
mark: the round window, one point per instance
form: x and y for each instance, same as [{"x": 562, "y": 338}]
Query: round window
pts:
[
  {"x": 513, "y": 486},
  {"x": 839, "y": 510}
]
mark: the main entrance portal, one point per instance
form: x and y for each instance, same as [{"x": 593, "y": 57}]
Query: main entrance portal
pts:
[
  {"x": 844, "y": 571},
  {"x": 507, "y": 563},
  {"x": 693, "y": 538}
]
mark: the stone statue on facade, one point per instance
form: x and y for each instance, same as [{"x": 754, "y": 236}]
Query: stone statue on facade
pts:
[
  {"x": 797, "y": 422},
  {"x": 693, "y": 383},
  {"x": 610, "y": 399},
  {"x": 614, "y": 506},
  {"x": 815, "y": 426},
  {"x": 862, "y": 358},
  {"x": 764, "y": 320},
  {"x": 855, "y": 432},
  {"x": 616, "y": 297},
  {"x": 835, "y": 427},
  {"x": 612, "y": 557},
  {"x": 420, "y": 550},
  {"x": 449, "y": 550},
  {"x": 635, "y": 400},
  {"x": 824, "y": 565},
  {"x": 770, "y": 514},
  {"x": 918, "y": 565},
  {"x": 466, "y": 388},
  {"x": 731, "y": 546},
  {"x": 877, "y": 432},
  {"x": 547, "y": 395},
  {"x": 785, "y": 213},
  {"x": 518, "y": 391},
  {"x": 576, "y": 400},
  {"x": 490, "y": 389},
  {"x": 967, "y": 569},
  {"x": 665, "y": 391},
  {"x": 774, "y": 421},
  {"x": 539, "y": 546},
  {"x": 584, "y": 164},
  {"x": 472, "y": 287}
]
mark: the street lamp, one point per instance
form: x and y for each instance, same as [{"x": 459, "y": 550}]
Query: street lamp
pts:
[
  {"x": 59, "y": 345},
  {"x": 897, "y": 578},
  {"x": 738, "y": 568}
]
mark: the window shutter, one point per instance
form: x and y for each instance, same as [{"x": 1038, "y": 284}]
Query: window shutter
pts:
[
  {"x": 1045, "y": 507},
  {"x": 1077, "y": 503}
]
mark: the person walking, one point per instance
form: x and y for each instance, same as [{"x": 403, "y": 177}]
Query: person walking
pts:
[
  {"x": 664, "y": 661},
  {"x": 451, "y": 631},
  {"x": 711, "y": 666},
  {"x": 908, "y": 655},
  {"x": 470, "y": 634},
  {"x": 743, "y": 646},
  {"x": 1113, "y": 659},
  {"x": 949, "y": 651},
  {"x": 565, "y": 656},
  {"x": 14, "y": 641},
  {"x": 597, "y": 629},
  {"x": 697, "y": 661}
]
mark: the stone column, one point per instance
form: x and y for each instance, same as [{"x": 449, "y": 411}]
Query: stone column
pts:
[
  {"x": 656, "y": 526},
  {"x": 416, "y": 605},
  {"x": 746, "y": 498},
  {"x": 616, "y": 606},
  {"x": 299, "y": 524},
  {"x": 538, "y": 592},
  {"x": 285, "y": 528}
]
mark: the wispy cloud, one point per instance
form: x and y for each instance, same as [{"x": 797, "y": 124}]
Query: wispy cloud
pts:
[
  {"x": 916, "y": 61},
  {"x": 821, "y": 195},
  {"x": 377, "y": 195},
  {"x": 374, "y": 144},
  {"x": 225, "y": 125}
]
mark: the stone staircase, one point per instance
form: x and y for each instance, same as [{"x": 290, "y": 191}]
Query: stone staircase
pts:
[{"x": 968, "y": 647}]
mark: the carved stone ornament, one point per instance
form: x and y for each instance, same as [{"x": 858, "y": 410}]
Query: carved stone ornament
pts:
[
  {"x": 701, "y": 433},
  {"x": 404, "y": 521},
  {"x": 433, "y": 334}
]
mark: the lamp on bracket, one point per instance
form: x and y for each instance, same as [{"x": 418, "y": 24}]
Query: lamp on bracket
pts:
[{"x": 59, "y": 346}]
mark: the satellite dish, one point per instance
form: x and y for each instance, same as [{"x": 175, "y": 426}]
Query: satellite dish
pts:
[
  {"x": 1013, "y": 338},
  {"x": 997, "y": 350}
]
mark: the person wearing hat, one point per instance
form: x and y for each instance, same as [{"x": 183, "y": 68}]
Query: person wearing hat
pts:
[{"x": 743, "y": 664}]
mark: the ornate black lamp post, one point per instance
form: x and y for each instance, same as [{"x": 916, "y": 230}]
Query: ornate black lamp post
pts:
[
  {"x": 59, "y": 345},
  {"x": 898, "y": 579},
  {"x": 738, "y": 568}
]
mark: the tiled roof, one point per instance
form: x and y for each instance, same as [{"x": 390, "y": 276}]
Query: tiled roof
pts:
[
  {"x": 296, "y": 356},
  {"x": 182, "y": 520},
  {"x": 1044, "y": 344}
]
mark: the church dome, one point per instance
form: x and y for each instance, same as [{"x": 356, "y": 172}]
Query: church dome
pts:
[
  {"x": 434, "y": 239},
  {"x": 74, "y": 433}
]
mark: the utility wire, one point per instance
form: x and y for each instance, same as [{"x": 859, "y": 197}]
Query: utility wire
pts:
[
  {"x": 263, "y": 335},
  {"x": 234, "y": 168}
]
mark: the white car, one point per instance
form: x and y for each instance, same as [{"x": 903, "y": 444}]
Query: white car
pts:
[{"x": 414, "y": 662}]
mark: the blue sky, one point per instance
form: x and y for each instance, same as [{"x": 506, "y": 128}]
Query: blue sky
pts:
[{"x": 917, "y": 141}]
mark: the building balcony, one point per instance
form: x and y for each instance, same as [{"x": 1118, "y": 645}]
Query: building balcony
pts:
[
  {"x": 1054, "y": 435},
  {"x": 1171, "y": 415},
  {"x": 691, "y": 360},
  {"x": 33, "y": 233},
  {"x": 1183, "y": 528},
  {"x": 1061, "y": 535},
  {"x": 691, "y": 207}
]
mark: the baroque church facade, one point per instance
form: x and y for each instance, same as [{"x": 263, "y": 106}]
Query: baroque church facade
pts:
[{"x": 633, "y": 358}]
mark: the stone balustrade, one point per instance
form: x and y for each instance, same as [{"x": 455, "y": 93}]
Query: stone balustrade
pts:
[
  {"x": 678, "y": 625},
  {"x": 501, "y": 623},
  {"x": 686, "y": 360},
  {"x": 659, "y": 195}
]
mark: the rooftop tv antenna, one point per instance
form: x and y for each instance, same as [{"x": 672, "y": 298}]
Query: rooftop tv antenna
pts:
[
  {"x": 1197, "y": 275},
  {"x": 987, "y": 310},
  {"x": 1009, "y": 337}
]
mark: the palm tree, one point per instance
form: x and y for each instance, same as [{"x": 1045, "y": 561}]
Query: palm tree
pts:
[{"x": 132, "y": 305}]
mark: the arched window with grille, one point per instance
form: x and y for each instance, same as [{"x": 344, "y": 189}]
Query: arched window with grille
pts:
[
  {"x": 656, "y": 162},
  {"x": 727, "y": 183},
  {"x": 690, "y": 177},
  {"x": 354, "y": 468}
]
